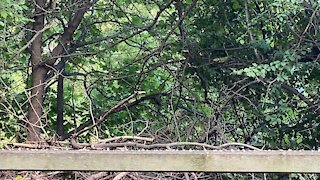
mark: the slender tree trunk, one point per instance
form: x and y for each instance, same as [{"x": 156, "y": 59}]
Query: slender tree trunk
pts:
[
  {"x": 60, "y": 101},
  {"x": 38, "y": 77}
]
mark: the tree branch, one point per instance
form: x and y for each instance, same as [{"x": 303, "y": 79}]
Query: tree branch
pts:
[
  {"x": 302, "y": 97},
  {"x": 119, "y": 107},
  {"x": 66, "y": 37}
]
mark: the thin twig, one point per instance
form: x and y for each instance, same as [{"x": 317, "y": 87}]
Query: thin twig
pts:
[
  {"x": 32, "y": 39},
  {"x": 106, "y": 114}
]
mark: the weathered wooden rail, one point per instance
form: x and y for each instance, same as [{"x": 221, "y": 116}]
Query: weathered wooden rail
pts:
[{"x": 206, "y": 161}]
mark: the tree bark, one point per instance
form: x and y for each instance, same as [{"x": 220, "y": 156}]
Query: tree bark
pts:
[
  {"x": 40, "y": 66},
  {"x": 60, "y": 101},
  {"x": 38, "y": 77}
]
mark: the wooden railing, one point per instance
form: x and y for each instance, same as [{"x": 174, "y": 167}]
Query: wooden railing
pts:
[{"x": 204, "y": 161}]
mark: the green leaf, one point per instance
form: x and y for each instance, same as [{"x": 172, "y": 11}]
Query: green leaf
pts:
[
  {"x": 136, "y": 20},
  {"x": 115, "y": 84},
  {"x": 251, "y": 74},
  {"x": 3, "y": 14}
]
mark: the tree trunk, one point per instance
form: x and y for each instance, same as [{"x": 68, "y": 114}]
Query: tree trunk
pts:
[
  {"x": 35, "y": 108},
  {"x": 38, "y": 77},
  {"x": 40, "y": 66},
  {"x": 60, "y": 101}
]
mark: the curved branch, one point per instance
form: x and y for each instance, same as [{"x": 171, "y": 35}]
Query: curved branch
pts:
[
  {"x": 122, "y": 105},
  {"x": 302, "y": 97}
]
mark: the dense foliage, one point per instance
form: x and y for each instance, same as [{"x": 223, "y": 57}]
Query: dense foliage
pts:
[{"x": 208, "y": 71}]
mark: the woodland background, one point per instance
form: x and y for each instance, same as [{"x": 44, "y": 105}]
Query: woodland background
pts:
[{"x": 208, "y": 71}]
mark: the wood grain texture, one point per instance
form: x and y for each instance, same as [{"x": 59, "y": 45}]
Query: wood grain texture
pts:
[{"x": 204, "y": 161}]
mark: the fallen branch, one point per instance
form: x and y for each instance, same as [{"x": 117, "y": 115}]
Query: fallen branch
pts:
[
  {"x": 24, "y": 145},
  {"x": 99, "y": 175},
  {"x": 120, "y": 175},
  {"x": 158, "y": 146},
  {"x": 40, "y": 145},
  {"x": 127, "y": 138}
]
